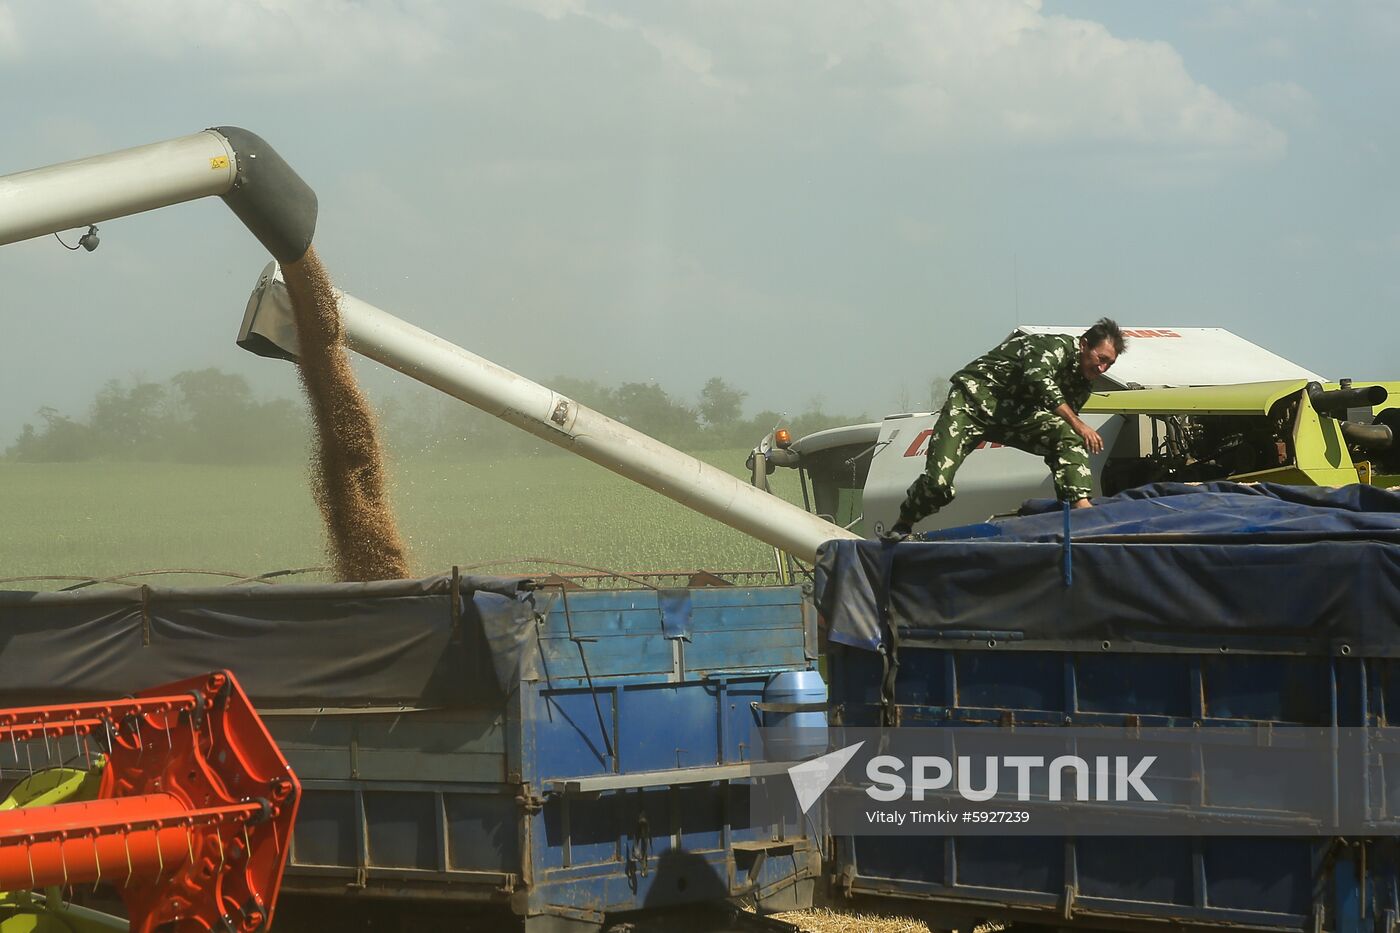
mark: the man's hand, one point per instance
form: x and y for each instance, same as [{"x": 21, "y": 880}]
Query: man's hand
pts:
[{"x": 1088, "y": 435}]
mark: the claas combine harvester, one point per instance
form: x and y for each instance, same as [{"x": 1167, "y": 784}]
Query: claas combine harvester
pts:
[{"x": 1184, "y": 404}]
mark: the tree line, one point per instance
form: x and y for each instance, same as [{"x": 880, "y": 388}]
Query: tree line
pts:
[
  {"x": 197, "y": 416},
  {"x": 210, "y": 416}
]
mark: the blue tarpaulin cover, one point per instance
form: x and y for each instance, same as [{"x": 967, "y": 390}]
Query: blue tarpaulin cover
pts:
[{"x": 1159, "y": 563}]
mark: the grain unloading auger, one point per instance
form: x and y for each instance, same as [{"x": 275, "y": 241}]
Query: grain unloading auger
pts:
[
  {"x": 177, "y": 798},
  {"x": 280, "y": 210},
  {"x": 269, "y": 329},
  {"x": 232, "y": 163}
]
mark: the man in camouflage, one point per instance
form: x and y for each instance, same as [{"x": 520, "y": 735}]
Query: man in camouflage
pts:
[{"x": 1026, "y": 394}]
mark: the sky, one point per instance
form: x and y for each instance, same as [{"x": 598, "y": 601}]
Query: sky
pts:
[{"x": 823, "y": 203}]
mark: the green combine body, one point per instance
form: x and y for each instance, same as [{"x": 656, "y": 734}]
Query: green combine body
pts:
[{"x": 1287, "y": 431}]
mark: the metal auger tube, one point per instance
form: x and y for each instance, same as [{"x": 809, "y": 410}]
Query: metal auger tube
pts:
[
  {"x": 269, "y": 330},
  {"x": 271, "y": 200}
]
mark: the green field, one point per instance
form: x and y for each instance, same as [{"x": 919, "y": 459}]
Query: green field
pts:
[{"x": 106, "y": 519}]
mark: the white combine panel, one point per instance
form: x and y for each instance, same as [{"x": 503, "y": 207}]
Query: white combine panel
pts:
[
  {"x": 1164, "y": 357},
  {"x": 994, "y": 479}
]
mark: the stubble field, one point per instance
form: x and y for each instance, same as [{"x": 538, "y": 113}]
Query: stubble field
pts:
[{"x": 106, "y": 519}]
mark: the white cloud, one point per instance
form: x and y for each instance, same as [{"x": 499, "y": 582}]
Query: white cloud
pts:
[
  {"x": 323, "y": 39},
  {"x": 909, "y": 75},
  {"x": 674, "y": 49},
  {"x": 1050, "y": 80},
  {"x": 553, "y": 9},
  {"x": 952, "y": 75}
]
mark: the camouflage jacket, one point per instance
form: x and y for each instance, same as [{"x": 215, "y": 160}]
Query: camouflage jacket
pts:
[{"x": 1032, "y": 372}]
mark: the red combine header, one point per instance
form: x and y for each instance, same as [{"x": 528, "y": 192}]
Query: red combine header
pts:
[{"x": 192, "y": 817}]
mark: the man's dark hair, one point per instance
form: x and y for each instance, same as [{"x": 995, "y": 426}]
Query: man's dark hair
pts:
[{"x": 1106, "y": 329}]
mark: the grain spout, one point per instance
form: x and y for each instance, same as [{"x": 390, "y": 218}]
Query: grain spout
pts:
[{"x": 347, "y": 471}]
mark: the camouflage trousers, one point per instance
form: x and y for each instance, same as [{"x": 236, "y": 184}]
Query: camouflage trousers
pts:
[{"x": 968, "y": 420}]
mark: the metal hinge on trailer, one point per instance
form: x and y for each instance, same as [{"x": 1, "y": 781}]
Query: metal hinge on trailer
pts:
[
  {"x": 528, "y": 801},
  {"x": 639, "y": 848},
  {"x": 845, "y": 881}
]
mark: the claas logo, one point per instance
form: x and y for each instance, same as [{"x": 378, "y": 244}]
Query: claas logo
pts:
[{"x": 919, "y": 446}]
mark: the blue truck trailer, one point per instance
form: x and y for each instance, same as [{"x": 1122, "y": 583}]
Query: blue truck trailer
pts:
[
  {"x": 564, "y": 755},
  {"x": 561, "y": 755},
  {"x": 1168, "y": 607}
]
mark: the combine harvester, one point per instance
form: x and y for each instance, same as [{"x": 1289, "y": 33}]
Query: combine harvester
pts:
[
  {"x": 571, "y": 754},
  {"x": 1184, "y": 404}
]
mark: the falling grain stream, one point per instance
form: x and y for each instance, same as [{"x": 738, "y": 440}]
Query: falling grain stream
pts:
[{"x": 347, "y": 470}]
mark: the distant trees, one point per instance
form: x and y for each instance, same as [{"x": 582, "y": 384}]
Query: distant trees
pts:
[
  {"x": 720, "y": 404},
  {"x": 210, "y": 416},
  {"x": 641, "y": 405},
  {"x": 648, "y": 408},
  {"x": 127, "y": 419},
  {"x": 198, "y": 416},
  {"x": 60, "y": 440},
  {"x": 219, "y": 421}
]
